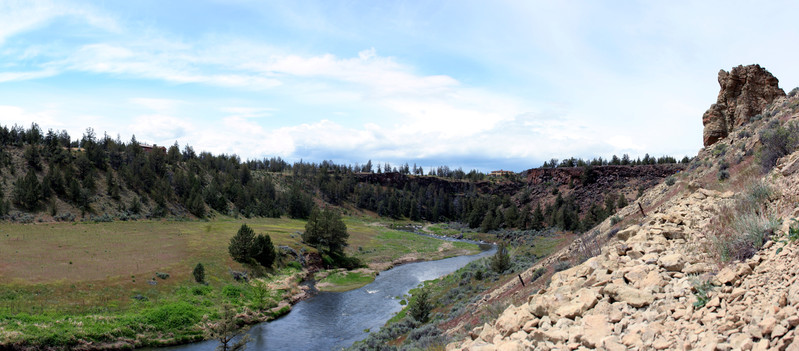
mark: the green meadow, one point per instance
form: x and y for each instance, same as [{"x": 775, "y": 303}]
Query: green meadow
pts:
[{"x": 131, "y": 282}]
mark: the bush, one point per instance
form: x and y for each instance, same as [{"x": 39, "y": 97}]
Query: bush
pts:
[
  {"x": 777, "y": 141},
  {"x": 562, "y": 266},
  {"x": 723, "y": 174},
  {"x": 173, "y": 316},
  {"x": 199, "y": 273},
  {"x": 740, "y": 229},
  {"x": 538, "y": 273},
  {"x": 162, "y": 275},
  {"x": 670, "y": 180}
]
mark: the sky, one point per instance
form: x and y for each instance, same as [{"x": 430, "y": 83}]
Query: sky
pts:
[{"x": 474, "y": 84}]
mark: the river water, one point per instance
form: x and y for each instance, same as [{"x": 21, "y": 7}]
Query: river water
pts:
[{"x": 332, "y": 321}]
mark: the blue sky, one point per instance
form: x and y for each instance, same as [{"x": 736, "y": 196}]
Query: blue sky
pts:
[{"x": 472, "y": 84}]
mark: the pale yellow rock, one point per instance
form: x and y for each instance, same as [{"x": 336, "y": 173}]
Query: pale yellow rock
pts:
[
  {"x": 628, "y": 232},
  {"x": 586, "y": 299},
  {"x": 512, "y": 345},
  {"x": 512, "y": 320},
  {"x": 488, "y": 333},
  {"x": 741, "y": 341},
  {"x": 767, "y": 325},
  {"x": 630, "y": 295},
  {"x": 594, "y": 329},
  {"x": 672, "y": 262},
  {"x": 636, "y": 273}
]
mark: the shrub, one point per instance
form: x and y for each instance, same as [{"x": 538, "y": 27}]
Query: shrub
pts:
[
  {"x": 615, "y": 220},
  {"x": 700, "y": 291},
  {"x": 162, "y": 275},
  {"x": 777, "y": 141},
  {"x": 723, "y": 174},
  {"x": 173, "y": 316},
  {"x": 670, "y": 180},
  {"x": 199, "y": 273},
  {"x": 740, "y": 229},
  {"x": 538, "y": 273},
  {"x": 561, "y": 266}
]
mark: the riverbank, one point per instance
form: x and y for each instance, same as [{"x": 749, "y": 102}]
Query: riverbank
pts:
[{"x": 129, "y": 284}]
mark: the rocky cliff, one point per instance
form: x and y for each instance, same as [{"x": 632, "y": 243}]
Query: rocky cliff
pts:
[{"x": 745, "y": 92}]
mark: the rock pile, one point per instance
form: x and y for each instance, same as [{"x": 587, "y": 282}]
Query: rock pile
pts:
[{"x": 657, "y": 287}]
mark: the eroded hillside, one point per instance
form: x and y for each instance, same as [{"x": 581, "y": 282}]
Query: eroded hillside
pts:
[{"x": 712, "y": 261}]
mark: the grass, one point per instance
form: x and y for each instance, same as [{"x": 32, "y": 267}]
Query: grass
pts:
[
  {"x": 741, "y": 228},
  {"x": 345, "y": 281},
  {"x": 84, "y": 288}
]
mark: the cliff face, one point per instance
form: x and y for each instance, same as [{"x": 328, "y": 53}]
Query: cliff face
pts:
[
  {"x": 745, "y": 92},
  {"x": 590, "y": 186}
]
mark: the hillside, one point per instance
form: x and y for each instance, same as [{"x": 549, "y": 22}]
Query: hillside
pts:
[{"x": 711, "y": 263}]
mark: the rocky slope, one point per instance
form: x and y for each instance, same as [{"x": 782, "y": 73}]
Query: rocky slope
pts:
[{"x": 662, "y": 280}]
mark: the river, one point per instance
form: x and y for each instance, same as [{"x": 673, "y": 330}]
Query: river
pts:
[{"x": 332, "y": 321}]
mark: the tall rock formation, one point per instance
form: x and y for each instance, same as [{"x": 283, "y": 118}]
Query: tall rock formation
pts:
[{"x": 745, "y": 92}]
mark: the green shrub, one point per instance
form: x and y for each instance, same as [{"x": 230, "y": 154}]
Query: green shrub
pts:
[
  {"x": 232, "y": 292},
  {"x": 199, "y": 273},
  {"x": 700, "y": 291},
  {"x": 173, "y": 316},
  {"x": 562, "y": 266},
  {"x": 670, "y": 180},
  {"x": 777, "y": 141}
]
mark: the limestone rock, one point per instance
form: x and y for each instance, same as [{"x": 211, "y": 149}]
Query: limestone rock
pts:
[
  {"x": 628, "y": 294},
  {"x": 585, "y": 300},
  {"x": 672, "y": 262},
  {"x": 594, "y": 329},
  {"x": 745, "y": 92},
  {"x": 512, "y": 320},
  {"x": 628, "y": 232}
]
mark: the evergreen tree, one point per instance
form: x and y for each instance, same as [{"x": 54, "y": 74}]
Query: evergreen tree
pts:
[
  {"x": 28, "y": 191},
  {"x": 240, "y": 243},
  {"x": 500, "y": 262},
  {"x": 421, "y": 306},
  {"x": 262, "y": 250},
  {"x": 326, "y": 230},
  {"x": 199, "y": 273}
]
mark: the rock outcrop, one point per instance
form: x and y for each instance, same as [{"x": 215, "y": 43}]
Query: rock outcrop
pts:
[{"x": 745, "y": 92}]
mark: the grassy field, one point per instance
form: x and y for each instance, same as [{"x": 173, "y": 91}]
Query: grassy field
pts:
[{"x": 98, "y": 281}]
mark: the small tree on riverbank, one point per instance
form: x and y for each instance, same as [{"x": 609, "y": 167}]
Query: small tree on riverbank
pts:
[
  {"x": 421, "y": 306},
  {"x": 228, "y": 329}
]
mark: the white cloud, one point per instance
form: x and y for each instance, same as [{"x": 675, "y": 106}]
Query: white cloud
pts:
[{"x": 25, "y": 15}]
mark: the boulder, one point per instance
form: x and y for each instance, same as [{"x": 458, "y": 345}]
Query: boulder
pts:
[
  {"x": 585, "y": 300},
  {"x": 672, "y": 262},
  {"x": 594, "y": 329},
  {"x": 513, "y": 319},
  {"x": 628, "y": 294}
]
